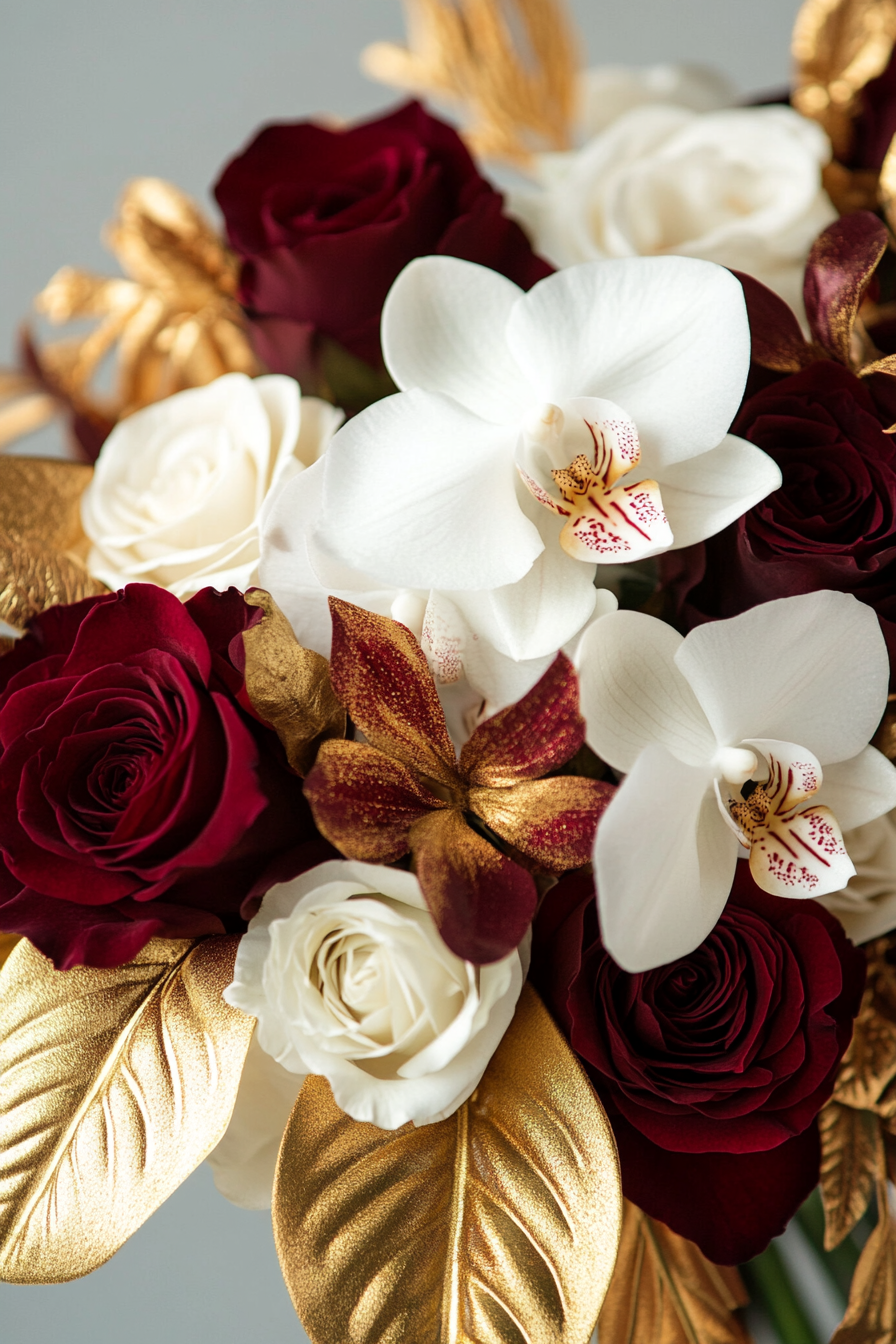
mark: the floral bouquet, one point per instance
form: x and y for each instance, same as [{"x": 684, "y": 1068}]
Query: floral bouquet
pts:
[{"x": 445, "y": 728}]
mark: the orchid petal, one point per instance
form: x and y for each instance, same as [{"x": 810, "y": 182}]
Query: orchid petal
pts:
[
  {"x": 667, "y": 338},
  {"x": 785, "y": 670},
  {"x": 795, "y": 775},
  {"x": 443, "y": 330},
  {"x": 664, "y": 862},
  {"x": 423, "y": 494},
  {"x": 801, "y": 856},
  {"x": 633, "y": 695},
  {"x": 859, "y": 790},
  {"x": 618, "y": 526},
  {"x": 547, "y": 606},
  {"x": 481, "y": 901},
  {"x": 706, "y": 493},
  {"x": 526, "y": 740}
]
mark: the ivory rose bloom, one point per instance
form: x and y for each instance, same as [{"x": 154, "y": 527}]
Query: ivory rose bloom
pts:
[
  {"x": 179, "y": 486},
  {"x": 347, "y": 975},
  {"x": 741, "y": 187},
  {"x": 866, "y": 907}
]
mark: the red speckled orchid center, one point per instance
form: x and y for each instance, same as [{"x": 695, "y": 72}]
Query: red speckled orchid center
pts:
[{"x": 605, "y": 520}]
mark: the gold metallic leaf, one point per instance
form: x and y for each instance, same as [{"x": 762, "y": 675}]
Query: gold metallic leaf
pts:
[
  {"x": 871, "y": 1311},
  {"x": 511, "y": 64},
  {"x": 497, "y": 1226},
  {"x": 114, "y": 1086},
  {"x": 838, "y": 46},
  {"x": 33, "y": 578},
  {"x": 665, "y": 1291},
  {"x": 851, "y": 1159},
  {"x": 40, "y": 500},
  {"x": 289, "y": 686},
  {"x": 7, "y": 943},
  {"x": 869, "y": 1064}
]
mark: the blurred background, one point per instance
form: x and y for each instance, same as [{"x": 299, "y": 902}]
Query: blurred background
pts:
[{"x": 99, "y": 91}]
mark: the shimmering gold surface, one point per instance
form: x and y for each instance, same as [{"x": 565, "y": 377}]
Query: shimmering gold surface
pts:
[
  {"x": 511, "y": 66},
  {"x": 289, "y": 686},
  {"x": 871, "y": 1312},
  {"x": 838, "y": 46},
  {"x": 851, "y": 1157},
  {"x": 7, "y": 943},
  {"x": 498, "y": 1225},
  {"x": 23, "y": 406},
  {"x": 114, "y": 1086},
  {"x": 173, "y": 322},
  {"x": 665, "y": 1291}
]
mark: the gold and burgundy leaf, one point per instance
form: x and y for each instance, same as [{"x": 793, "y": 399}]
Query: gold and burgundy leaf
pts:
[
  {"x": 841, "y": 263},
  {"x": 289, "y": 686},
  {"x": 852, "y": 1158},
  {"x": 380, "y": 674},
  {"x": 665, "y": 1291},
  {"x": 527, "y": 740},
  {"x": 871, "y": 1311},
  {"x": 364, "y": 802},
  {"x": 777, "y": 342},
  {"x": 481, "y": 901},
  {"x": 551, "y": 821}
]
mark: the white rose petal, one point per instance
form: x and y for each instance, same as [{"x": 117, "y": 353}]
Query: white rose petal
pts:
[
  {"x": 179, "y": 487},
  {"x": 346, "y": 973},
  {"x": 740, "y": 187},
  {"x": 867, "y": 905},
  {"x": 606, "y": 92}
]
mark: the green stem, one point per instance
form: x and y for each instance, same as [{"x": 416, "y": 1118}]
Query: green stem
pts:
[{"x": 768, "y": 1281}]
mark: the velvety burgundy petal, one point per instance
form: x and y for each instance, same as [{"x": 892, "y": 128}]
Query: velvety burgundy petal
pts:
[
  {"x": 222, "y": 618},
  {"x": 110, "y": 935},
  {"x": 840, "y": 266},
  {"x": 482, "y": 902},
  {"x": 730, "y": 1204},
  {"x": 380, "y": 674},
  {"x": 364, "y": 802},
  {"x": 539, "y": 733},
  {"x": 552, "y": 821},
  {"x": 51, "y": 634},
  {"x": 776, "y": 339},
  {"x": 138, "y": 618}
]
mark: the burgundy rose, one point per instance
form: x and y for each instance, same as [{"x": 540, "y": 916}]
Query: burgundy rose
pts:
[
  {"x": 832, "y": 524},
  {"x": 325, "y": 219},
  {"x": 137, "y": 798},
  {"x": 714, "y": 1067}
]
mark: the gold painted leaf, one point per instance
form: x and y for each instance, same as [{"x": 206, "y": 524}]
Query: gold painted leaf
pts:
[
  {"x": 838, "y": 46},
  {"x": 869, "y": 1064},
  {"x": 496, "y": 1226},
  {"x": 289, "y": 686},
  {"x": 114, "y": 1086},
  {"x": 7, "y": 943},
  {"x": 33, "y": 578},
  {"x": 665, "y": 1291},
  {"x": 851, "y": 1160},
  {"x": 40, "y": 500},
  {"x": 871, "y": 1311}
]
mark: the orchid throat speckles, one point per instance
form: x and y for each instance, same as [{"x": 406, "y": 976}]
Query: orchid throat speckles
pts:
[{"x": 605, "y": 522}]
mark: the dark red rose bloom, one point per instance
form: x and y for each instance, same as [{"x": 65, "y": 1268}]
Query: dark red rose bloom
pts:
[
  {"x": 714, "y": 1067},
  {"x": 325, "y": 219},
  {"x": 137, "y": 798},
  {"x": 832, "y": 524}
]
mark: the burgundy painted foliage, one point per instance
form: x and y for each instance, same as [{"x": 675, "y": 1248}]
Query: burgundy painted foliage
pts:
[
  {"x": 325, "y": 219},
  {"x": 137, "y": 797},
  {"x": 713, "y": 1068}
]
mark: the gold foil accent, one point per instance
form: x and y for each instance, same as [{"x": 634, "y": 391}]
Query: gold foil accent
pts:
[
  {"x": 837, "y": 47},
  {"x": 850, "y": 1162},
  {"x": 41, "y": 538},
  {"x": 665, "y": 1291},
  {"x": 7, "y": 943},
  {"x": 512, "y": 65},
  {"x": 871, "y": 1311},
  {"x": 495, "y": 1226},
  {"x": 173, "y": 323},
  {"x": 289, "y": 686},
  {"x": 24, "y": 406},
  {"x": 114, "y": 1086}
]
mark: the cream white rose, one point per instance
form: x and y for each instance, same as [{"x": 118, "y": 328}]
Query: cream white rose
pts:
[
  {"x": 867, "y": 905},
  {"x": 608, "y": 91},
  {"x": 740, "y": 187},
  {"x": 179, "y": 486},
  {"x": 346, "y": 973}
]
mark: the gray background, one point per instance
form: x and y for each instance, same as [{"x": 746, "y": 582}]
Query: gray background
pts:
[{"x": 93, "y": 92}]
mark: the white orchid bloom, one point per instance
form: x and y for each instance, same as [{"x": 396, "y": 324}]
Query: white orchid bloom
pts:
[
  {"x": 785, "y": 697},
  {"x": 540, "y": 434}
]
